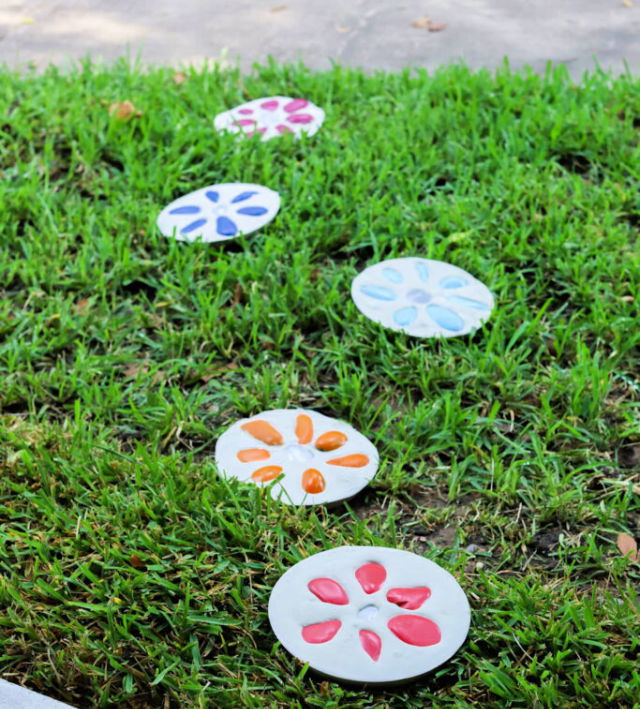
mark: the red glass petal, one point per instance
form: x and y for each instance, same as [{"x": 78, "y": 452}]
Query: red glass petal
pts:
[
  {"x": 371, "y": 643},
  {"x": 371, "y": 577},
  {"x": 321, "y": 632},
  {"x": 328, "y": 591},
  {"x": 415, "y": 630},
  {"x": 409, "y": 598}
]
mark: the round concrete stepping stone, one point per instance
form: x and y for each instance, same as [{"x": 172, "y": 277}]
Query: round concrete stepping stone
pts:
[
  {"x": 369, "y": 614},
  {"x": 271, "y": 117},
  {"x": 312, "y": 458},
  {"x": 421, "y": 297},
  {"x": 219, "y": 212}
]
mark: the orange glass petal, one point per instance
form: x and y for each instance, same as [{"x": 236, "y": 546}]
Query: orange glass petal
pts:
[
  {"x": 312, "y": 481},
  {"x": 331, "y": 440},
  {"x": 269, "y": 472},
  {"x": 263, "y": 431},
  {"x": 357, "y": 460},
  {"x": 304, "y": 429},
  {"x": 250, "y": 454}
]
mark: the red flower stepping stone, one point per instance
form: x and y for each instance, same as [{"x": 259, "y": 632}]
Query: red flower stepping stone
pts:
[{"x": 369, "y": 614}]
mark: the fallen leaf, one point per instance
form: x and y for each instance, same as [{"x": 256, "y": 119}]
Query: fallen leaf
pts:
[
  {"x": 238, "y": 294},
  {"x": 27, "y": 21},
  {"x": 215, "y": 371},
  {"x": 124, "y": 110},
  {"x": 627, "y": 3},
  {"x": 343, "y": 30},
  {"x": 628, "y": 546},
  {"x": 179, "y": 78},
  {"x": 82, "y": 305},
  {"x": 278, "y": 8},
  {"x": 132, "y": 370},
  {"x": 136, "y": 561},
  {"x": 425, "y": 23},
  {"x": 422, "y": 23}
]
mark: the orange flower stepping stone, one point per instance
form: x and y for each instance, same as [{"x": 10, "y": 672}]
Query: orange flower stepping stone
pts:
[{"x": 307, "y": 458}]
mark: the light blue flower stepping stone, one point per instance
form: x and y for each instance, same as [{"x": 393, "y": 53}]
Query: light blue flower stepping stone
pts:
[{"x": 422, "y": 297}]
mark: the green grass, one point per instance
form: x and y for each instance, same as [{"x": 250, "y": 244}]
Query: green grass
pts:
[{"x": 133, "y": 576}]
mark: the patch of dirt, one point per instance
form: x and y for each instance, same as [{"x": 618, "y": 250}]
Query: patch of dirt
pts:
[{"x": 629, "y": 456}]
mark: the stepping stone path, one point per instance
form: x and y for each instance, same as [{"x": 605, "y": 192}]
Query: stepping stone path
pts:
[
  {"x": 13, "y": 696},
  {"x": 271, "y": 117},
  {"x": 314, "y": 459},
  {"x": 219, "y": 212},
  {"x": 421, "y": 297},
  {"x": 369, "y": 614}
]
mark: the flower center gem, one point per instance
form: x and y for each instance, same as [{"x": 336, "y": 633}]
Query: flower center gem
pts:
[
  {"x": 368, "y": 612},
  {"x": 298, "y": 453},
  {"x": 417, "y": 295}
]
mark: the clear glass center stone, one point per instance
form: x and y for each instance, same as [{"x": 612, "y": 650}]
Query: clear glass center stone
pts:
[
  {"x": 417, "y": 295},
  {"x": 368, "y": 612},
  {"x": 298, "y": 453}
]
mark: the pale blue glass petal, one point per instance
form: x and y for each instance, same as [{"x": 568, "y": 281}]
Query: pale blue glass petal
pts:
[
  {"x": 378, "y": 292},
  {"x": 453, "y": 282},
  {"x": 392, "y": 275},
  {"x": 447, "y": 319},
  {"x": 405, "y": 316},
  {"x": 467, "y": 302},
  {"x": 423, "y": 271}
]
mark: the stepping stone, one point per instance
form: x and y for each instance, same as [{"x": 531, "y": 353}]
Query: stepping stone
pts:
[
  {"x": 421, "y": 297},
  {"x": 13, "y": 696},
  {"x": 271, "y": 117},
  {"x": 219, "y": 212},
  {"x": 307, "y": 458},
  {"x": 369, "y": 614}
]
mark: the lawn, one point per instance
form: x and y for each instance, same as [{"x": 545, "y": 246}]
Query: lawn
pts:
[{"x": 131, "y": 574}]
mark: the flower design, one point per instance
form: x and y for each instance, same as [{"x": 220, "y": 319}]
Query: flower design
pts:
[
  {"x": 422, "y": 297},
  {"x": 219, "y": 212},
  {"x": 410, "y": 628},
  {"x": 271, "y": 117},
  {"x": 313, "y": 458}
]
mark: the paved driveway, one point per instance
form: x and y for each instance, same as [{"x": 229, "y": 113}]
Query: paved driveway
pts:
[{"x": 368, "y": 33}]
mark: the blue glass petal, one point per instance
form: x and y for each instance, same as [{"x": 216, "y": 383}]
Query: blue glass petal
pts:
[
  {"x": 378, "y": 292},
  {"x": 467, "y": 302},
  {"x": 446, "y": 318},
  {"x": 226, "y": 227},
  {"x": 185, "y": 210},
  {"x": 253, "y": 211},
  {"x": 193, "y": 226},
  {"x": 242, "y": 196},
  {"x": 211, "y": 195},
  {"x": 417, "y": 295},
  {"x": 423, "y": 271},
  {"x": 405, "y": 316},
  {"x": 392, "y": 275},
  {"x": 453, "y": 282}
]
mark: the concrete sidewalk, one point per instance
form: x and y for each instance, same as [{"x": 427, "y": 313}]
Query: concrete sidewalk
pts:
[
  {"x": 12, "y": 696},
  {"x": 368, "y": 33}
]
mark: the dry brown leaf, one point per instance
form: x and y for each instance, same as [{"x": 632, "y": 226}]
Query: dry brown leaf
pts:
[
  {"x": 132, "y": 370},
  {"x": 278, "y": 8},
  {"x": 179, "y": 78},
  {"x": 124, "y": 110},
  {"x": 422, "y": 23},
  {"x": 136, "y": 561},
  {"x": 215, "y": 371},
  {"x": 426, "y": 23},
  {"x": 238, "y": 294},
  {"x": 82, "y": 305},
  {"x": 628, "y": 546}
]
